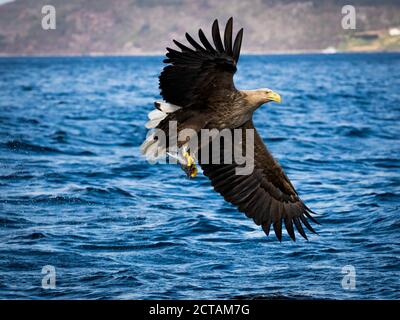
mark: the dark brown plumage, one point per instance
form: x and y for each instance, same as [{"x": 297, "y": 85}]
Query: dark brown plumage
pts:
[{"x": 200, "y": 81}]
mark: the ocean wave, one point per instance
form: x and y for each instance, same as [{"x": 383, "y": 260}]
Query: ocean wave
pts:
[
  {"x": 22, "y": 146},
  {"x": 75, "y": 192}
]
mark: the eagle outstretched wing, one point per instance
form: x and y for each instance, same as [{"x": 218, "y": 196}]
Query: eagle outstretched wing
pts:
[
  {"x": 266, "y": 195},
  {"x": 195, "y": 74},
  {"x": 200, "y": 78}
]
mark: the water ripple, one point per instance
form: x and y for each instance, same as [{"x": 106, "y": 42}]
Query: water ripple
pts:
[{"x": 76, "y": 194}]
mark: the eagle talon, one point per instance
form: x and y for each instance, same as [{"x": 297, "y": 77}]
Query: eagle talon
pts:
[{"x": 190, "y": 167}]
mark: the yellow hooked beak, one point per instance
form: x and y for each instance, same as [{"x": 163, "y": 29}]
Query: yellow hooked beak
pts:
[{"x": 273, "y": 96}]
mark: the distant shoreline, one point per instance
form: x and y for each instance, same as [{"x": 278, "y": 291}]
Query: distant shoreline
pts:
[{"x": 161, "y": 54}]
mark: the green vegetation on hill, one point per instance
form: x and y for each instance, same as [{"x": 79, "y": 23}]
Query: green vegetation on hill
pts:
[{"x": 379, "y": 40}]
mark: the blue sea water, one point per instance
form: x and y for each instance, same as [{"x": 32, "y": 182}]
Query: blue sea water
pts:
[{"x": 76, "y": 194}]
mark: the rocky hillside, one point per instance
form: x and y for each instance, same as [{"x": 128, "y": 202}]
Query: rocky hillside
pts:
[{"x": 147, "y": 26}]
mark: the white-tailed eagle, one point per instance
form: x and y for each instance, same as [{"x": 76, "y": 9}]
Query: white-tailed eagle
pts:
[{"x": 199, "y": 92}]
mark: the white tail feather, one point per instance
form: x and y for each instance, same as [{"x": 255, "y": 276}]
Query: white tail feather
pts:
[
  {"x": 151, "y": 152},
  {"x": 152, "y": 123},
  {"x": 151, "y": 148},
  {"x": 147, "y": 143},
  {"x": 166, "y": 107},
  {"x": 156, "y": 114},
  {"x": 160, "y": 113}
]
